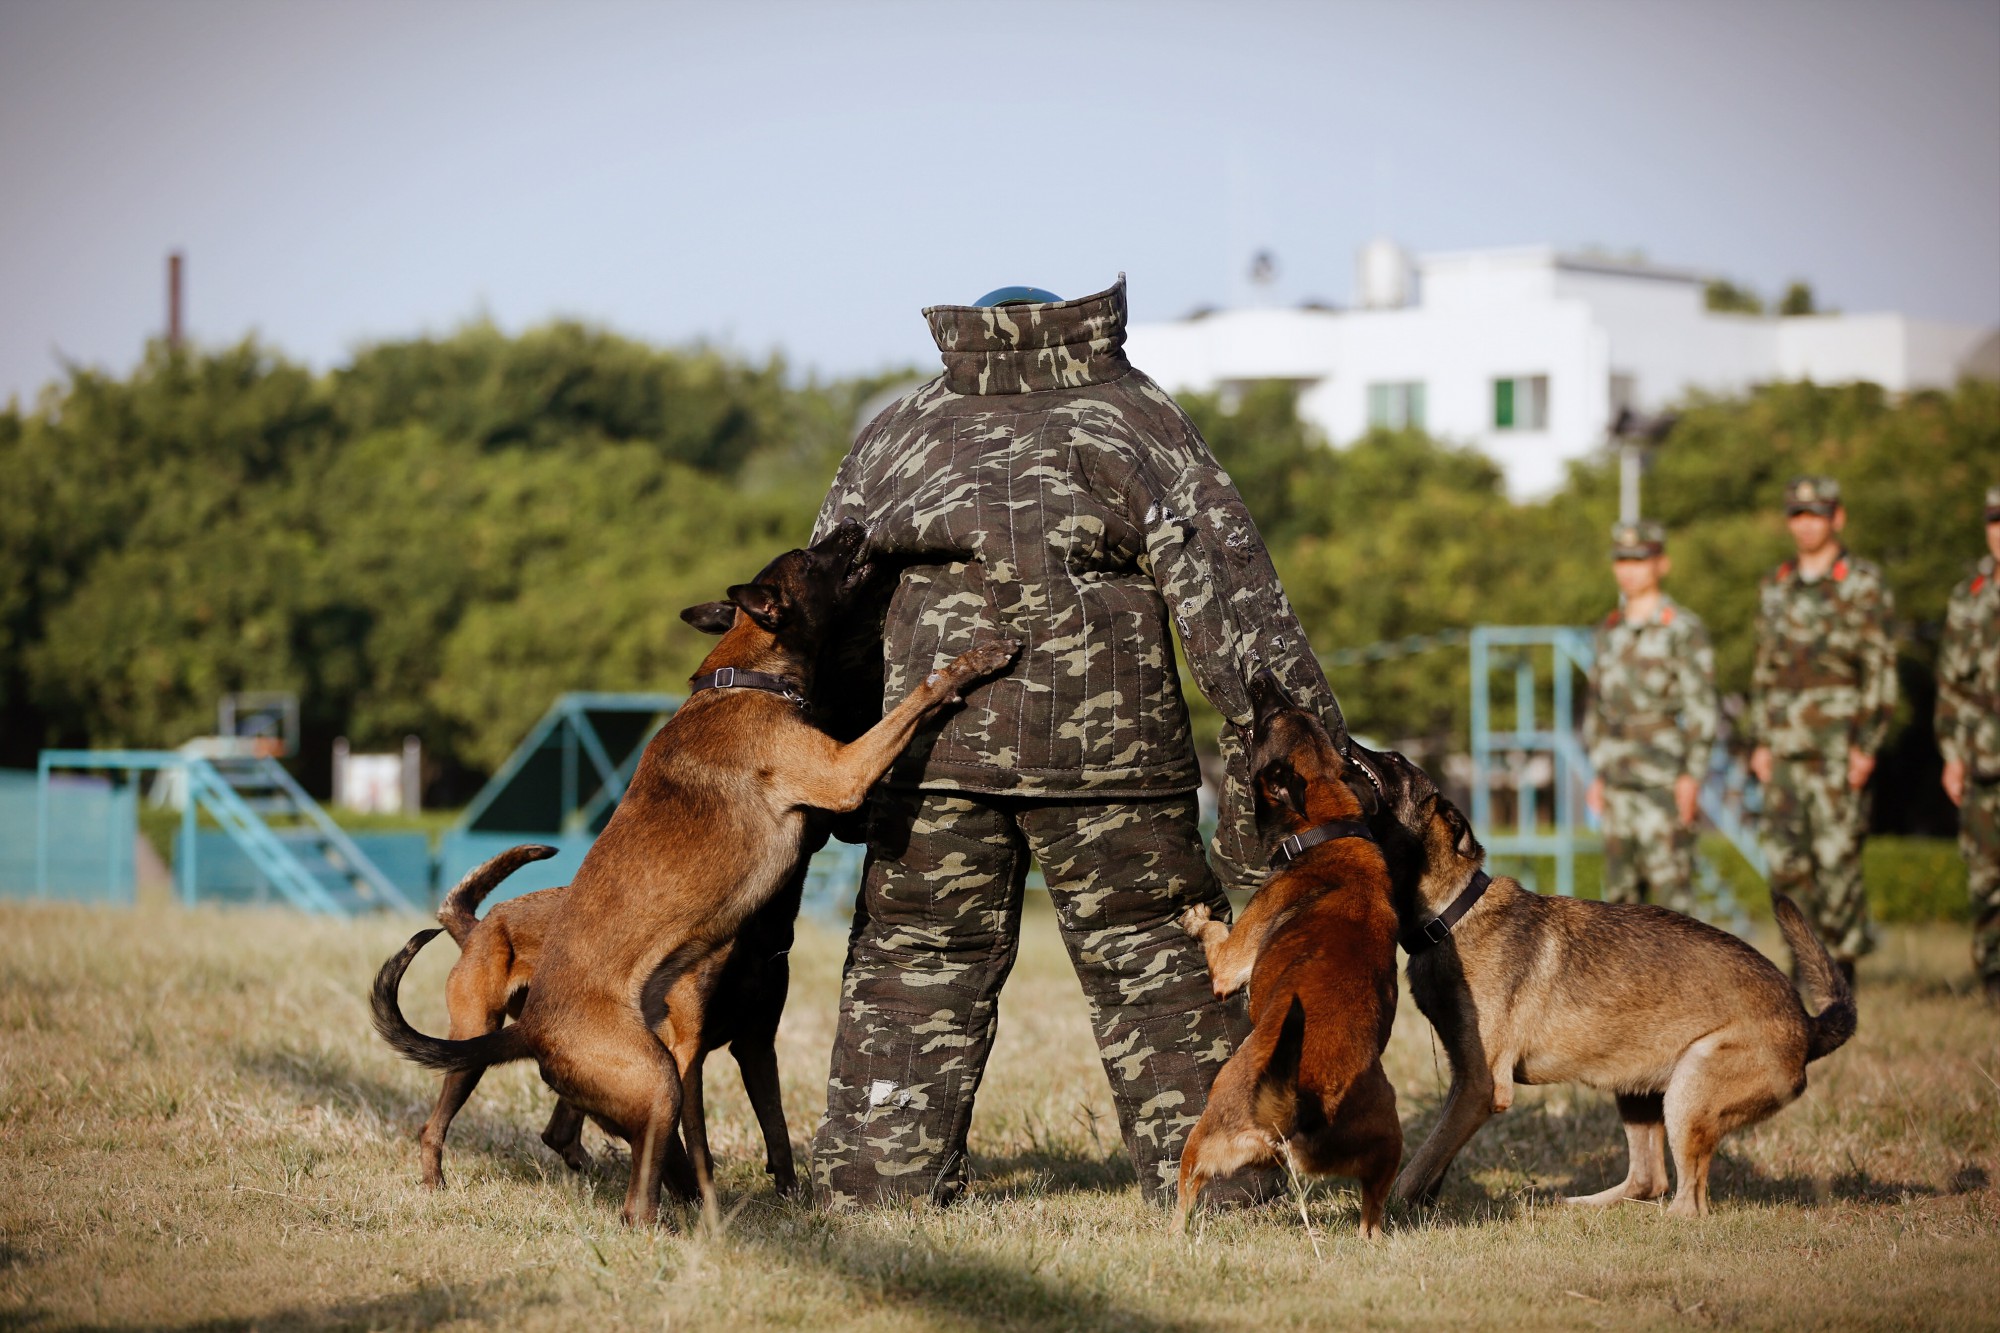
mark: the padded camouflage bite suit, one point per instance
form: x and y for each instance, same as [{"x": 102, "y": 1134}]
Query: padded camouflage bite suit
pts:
[
  {"x": 1824, "y": 681},
  {"x": 1968, "y": 730},
  {"x": 1653, "y": 716},
  {"x": 1043, "y": 489}
]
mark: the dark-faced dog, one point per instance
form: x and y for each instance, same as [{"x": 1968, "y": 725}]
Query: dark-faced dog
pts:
[
  {"x": 1694, "y": 1031},
  {"x": 710, "y": 829},
  {"x": 1317, "y": 946},
  {"x": 744, "y": 988}
]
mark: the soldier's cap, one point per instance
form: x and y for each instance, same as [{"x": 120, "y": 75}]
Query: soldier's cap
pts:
[
  {"x": 1638, "y": 541},
  {"x": 1993, "y": 504},
  {"x": 1812, "y": 495},
  {"x": 1017, "y": 295}
]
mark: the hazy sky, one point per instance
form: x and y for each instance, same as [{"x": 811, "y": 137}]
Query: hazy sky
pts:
[{"x": 804, "y": 178}]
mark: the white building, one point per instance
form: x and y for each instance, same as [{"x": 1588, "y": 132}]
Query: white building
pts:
[{"x": 1529, "y": 353}]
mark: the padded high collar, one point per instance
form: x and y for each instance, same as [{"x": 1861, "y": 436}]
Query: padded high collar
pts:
[{"x": 1032, "y": 348}]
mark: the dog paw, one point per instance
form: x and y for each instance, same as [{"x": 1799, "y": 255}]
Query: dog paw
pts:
[
  {"x": 1194, "y": 919},
  {"x": 982, "y": 659}
]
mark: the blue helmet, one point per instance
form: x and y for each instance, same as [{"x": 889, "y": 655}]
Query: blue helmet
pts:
[{"x": 1017, "y": 296}]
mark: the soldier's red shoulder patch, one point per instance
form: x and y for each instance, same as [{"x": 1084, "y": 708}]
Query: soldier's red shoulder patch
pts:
[
  {"x": 1611, "y": 621},
  {"x": 1785, "y": 570},
  {"x": 1839, "y": 570},
  {"x": 1666, "y": 615},
  {"x": 1978, "y": 582}
]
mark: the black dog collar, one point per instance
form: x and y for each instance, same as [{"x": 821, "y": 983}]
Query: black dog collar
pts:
[
  {"x": 1293, "y": 847},
  {"x": 1438, "y": 928},
  {"x": 729, "y": 678}
]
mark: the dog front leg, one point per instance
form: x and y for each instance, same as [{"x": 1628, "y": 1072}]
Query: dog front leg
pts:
[
  {"x": 1228, "y": 970},
  {"x": 1467, "y": 1106},
  {"x": 839, "y": 776},
  {"x": 1232, "y": 954},
  {"x": 564, "y": 1135}
]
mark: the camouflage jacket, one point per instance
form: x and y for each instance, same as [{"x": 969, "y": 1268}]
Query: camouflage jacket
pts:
[
  {"x": 1825, "y": 676},
  {"x": 1044, "y": 489},
  {"x": 1968, "y": 700},
  {"x": 1653, "y": 711}
]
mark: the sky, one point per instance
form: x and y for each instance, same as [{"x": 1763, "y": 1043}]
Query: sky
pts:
[{"x": 801, "y": 180}]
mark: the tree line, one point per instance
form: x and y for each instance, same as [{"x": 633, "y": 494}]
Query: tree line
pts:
[{"x": 442, "y": 535}]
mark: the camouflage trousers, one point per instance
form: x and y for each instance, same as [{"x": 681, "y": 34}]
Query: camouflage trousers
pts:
[
  {"x": 1813, "y": 828},
  {"x": 935, "y": 933},
  {"x": 1979, "y": 840},
  {"x": 1648, "y": 852}
]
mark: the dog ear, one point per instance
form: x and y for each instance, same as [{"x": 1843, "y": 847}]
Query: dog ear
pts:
[
  {"x": 1466, "y": 845},
  {"x": 762, "y": 603},
  {"x": 711, "y": 617}
]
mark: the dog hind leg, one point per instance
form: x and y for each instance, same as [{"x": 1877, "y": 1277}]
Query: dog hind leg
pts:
[
  {"x": 451, "y": 1099},
  {"x": 1725, "y": 1081},
  {"x": 1644, "y": 1115}
]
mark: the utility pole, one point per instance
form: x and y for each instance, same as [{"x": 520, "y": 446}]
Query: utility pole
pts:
[
  {"x": 174, "y": 299},
  {"x": 1635, "y": 435},
  {"x": 1628, "y": 481}
]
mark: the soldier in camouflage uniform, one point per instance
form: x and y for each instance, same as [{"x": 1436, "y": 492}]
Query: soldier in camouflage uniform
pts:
[
  {"x": 1043, "y": 489},
  {"x": 1823, "y": 693},
  {"x": 1651, "y": 725},
  {"x": 1968, "y": 732}
]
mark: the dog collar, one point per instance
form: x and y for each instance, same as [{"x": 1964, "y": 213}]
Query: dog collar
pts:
[
  {"x": 1438, "y": 928},
  {"x": 729, "y": 678},
  {"x": 1293, "y": 847}
]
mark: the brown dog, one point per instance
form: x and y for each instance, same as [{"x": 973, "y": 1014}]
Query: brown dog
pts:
[
  {"x": 487, "y": 985},
  {"x": 1317, "y": 946},
  {"x": 709, "y": 830},
  {"x": 746, "y": 987},
  {"x": 1694, "y": 1031}
]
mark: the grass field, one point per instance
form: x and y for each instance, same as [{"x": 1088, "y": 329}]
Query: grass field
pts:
[{"x": 198, "y": 1130}]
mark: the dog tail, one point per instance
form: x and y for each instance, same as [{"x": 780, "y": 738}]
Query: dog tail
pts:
[
  {"x": 450, "y": 1057},
  {"x": 457, "y": 909},
  {"x": 1276, "y": 1105},
  {"x": 1828, "y": 1030}
]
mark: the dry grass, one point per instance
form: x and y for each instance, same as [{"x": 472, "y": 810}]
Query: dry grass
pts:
[{"x": 197, "y": 1130}]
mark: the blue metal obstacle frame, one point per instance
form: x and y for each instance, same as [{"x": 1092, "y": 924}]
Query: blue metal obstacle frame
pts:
[
  {"x": 1548, "y": 663},
  {"x": 297, "y": 851}
]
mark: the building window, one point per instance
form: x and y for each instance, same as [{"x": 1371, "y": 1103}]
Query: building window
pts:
[
  {"x": 1521, "y": 403},
  {"x": 1396, "y": 406}
]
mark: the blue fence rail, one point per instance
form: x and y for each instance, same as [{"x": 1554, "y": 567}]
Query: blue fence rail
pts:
[
  {"x": 92, "y": 823},
  {"x": 274, "y": 842},
  {"x": 1547, "y": 666}
]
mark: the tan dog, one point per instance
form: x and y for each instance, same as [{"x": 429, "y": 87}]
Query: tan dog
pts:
[
  {"x": 1317, "y": 946},
  {"x": 1694, "y": 1031},
  {"x": 710, "y": 829}
]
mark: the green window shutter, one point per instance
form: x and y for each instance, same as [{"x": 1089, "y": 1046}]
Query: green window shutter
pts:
[
  {"x": 1378, "y": 405},
  {"x": 1503, "y": 404},
  {"x": 1416, "y": 421}
]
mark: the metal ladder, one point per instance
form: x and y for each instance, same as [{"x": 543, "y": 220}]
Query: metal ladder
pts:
[{"x": 298, "y": 850}]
